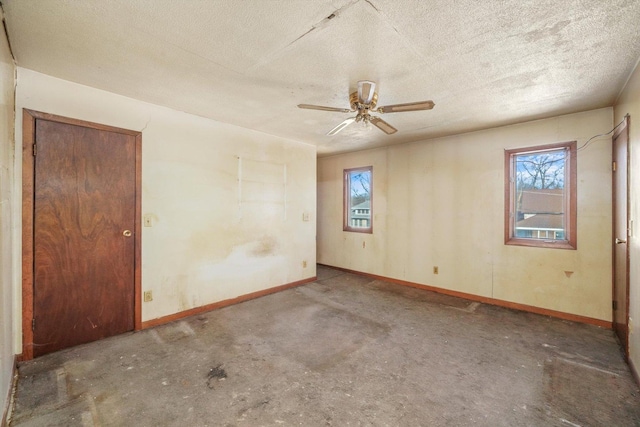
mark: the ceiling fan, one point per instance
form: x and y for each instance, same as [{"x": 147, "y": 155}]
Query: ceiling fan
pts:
[{"x": 363, "y": 102}]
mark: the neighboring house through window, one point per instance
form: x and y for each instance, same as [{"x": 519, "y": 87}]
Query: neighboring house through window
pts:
[
  {"x": 541, "y": 214},
  {"x": 540, "y": 196},
  {"x": 358, "y": 190}
]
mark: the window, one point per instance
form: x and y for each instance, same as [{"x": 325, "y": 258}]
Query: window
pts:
[
  {"x": 540, "y": 196},
  {"x": 358, "y": 207}
]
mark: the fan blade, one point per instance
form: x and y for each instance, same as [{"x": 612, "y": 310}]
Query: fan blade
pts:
[
  {"x": 411, "y": 106},
  {"x": 366, "y": 90},
  {"x": 383, "y": 126},
  {"x": 341, "y": 126},
  {"x": 323, "y": 108}
]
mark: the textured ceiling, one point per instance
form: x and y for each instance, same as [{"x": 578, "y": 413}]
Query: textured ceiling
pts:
[{"x": 250, "y": 62}]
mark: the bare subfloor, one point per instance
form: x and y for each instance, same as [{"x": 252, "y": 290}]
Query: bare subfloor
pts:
[{"x": 344, "y": 350}]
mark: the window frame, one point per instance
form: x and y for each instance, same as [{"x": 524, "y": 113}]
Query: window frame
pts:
[
  {"x": 346, "y": 185},
  {"x": 570, "y": 190}
]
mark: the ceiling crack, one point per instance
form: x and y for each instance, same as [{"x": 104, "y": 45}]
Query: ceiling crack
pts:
[
  {"x": 322, "y": 23},
  {"x": 6, "y": 32},
  {"x": 372, "y": 5},
  {"x": 301, "y": 36}
]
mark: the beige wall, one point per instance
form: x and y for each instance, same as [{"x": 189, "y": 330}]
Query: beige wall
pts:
[
  {"x": 629, "y": 103},
  {"x": 7, "y": 90},
  {"x": 210, "y": 240},
  {"x": 440, "y": 203}
]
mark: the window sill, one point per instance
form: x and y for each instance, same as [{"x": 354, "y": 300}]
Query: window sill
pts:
[
  {"x": 535, "y": 243},
  {"x": 358, "y": 230}
]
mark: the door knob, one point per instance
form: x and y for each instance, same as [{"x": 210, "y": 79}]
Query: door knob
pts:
[
  {"x": 619, "y": 241},
  {"x": 126, "y": 233}
]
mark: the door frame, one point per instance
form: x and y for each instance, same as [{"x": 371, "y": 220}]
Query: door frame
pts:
[
  {"x": 29, "y": 118},
  {"x": 623, "y": 128}
]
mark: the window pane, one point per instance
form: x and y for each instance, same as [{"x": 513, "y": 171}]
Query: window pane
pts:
[
  {"x": 359, "y": 198},
  {"x": 540, "y": 195}
]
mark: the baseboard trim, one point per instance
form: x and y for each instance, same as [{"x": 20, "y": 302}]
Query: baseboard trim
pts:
[
  {"x": 225, "y": 303},
  {"x": 8, "y": 406},
  {"x": 486, "y": 300}
]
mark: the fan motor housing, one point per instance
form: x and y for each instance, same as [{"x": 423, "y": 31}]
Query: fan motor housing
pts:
[{"x": 354, "y": 99}]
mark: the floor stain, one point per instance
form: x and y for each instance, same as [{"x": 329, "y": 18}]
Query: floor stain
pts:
[{"x": 215, "y": 375}]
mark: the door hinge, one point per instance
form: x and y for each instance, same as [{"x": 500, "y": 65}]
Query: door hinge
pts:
[
  {"x": 34, "y": 149},
  {"x": 614, "y": 165},
  {"x": 33, "y": 324},
  {"x": 614, "y": 304}
]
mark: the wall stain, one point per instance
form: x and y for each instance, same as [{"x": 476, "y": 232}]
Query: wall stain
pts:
[{"x": 265, "y": 247}]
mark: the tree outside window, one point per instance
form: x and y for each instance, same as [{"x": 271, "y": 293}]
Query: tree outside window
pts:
[
  {"x": 358, "y": 206},
  {"x": 540, "y": 196}
]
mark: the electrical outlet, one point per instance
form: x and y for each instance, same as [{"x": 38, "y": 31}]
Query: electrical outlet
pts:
[
  {"x": 435, "y": 270},
  {"x": 304, "y": 264},
  {"x": 148, "y": 296}
]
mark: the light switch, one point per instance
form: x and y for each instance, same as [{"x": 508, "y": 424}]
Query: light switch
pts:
[
  {"x": 148, "y": 220},
  {"x": 305, "y": 216}
]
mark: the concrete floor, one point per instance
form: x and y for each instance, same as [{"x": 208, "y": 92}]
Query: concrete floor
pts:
[{"x": 345, "y": 350}]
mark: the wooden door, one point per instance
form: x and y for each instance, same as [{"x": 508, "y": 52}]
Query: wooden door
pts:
[
  {"x": 84, "y": 220},
  {"x": 620, "y": 235}
]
